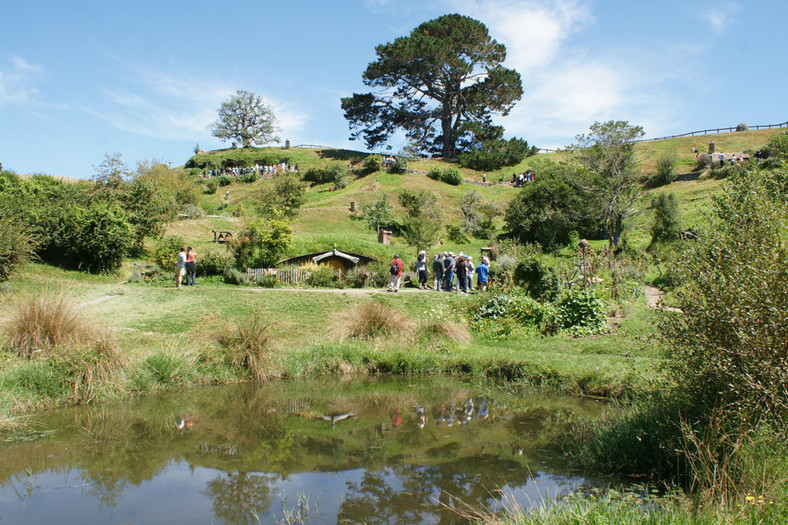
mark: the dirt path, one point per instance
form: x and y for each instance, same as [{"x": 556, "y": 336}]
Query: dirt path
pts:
[{"x": 654, "y": 299}]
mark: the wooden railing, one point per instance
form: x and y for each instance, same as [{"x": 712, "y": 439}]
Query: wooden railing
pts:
[{"x": 716, "y": 130}]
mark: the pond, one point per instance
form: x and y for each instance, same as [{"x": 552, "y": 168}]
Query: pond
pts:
[{"x": 325, "y": 451}]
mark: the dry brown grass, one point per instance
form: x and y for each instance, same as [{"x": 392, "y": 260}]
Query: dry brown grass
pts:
[
  {"x": 249, "y": 343},
  {"x": 369, "y": 321},
  {"x": 444, "y": 328},
  {"x": 41, "y": 323}
]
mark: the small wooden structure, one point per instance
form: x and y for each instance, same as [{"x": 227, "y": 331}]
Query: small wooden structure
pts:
[
  {"x": 337, "y": 260},
  {"x": 222, "y": 235},
  {"x": 384, "y": 236},
  {"x": 487, "y": 251}
]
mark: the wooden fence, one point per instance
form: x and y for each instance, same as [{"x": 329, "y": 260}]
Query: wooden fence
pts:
[
  {"x": 716, "y": 130},
  {"x": 283, "y": 275}
]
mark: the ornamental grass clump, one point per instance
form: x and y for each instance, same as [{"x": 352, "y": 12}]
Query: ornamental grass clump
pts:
[
  {"x": 68, "y": 358},
  {"x": 248, "y": 342},
  {"x": 371, "y": 320}
]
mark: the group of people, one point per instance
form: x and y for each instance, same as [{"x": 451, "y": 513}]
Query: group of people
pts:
[
  {"x": 449, "y": 272},
  {"x": 273, "y": 169},
  {"x": 518, "y": 179},
  {"x": 186, "y": 267}
]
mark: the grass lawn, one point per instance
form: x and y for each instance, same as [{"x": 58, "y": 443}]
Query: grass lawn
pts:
[{"x": 150, "y": 319}]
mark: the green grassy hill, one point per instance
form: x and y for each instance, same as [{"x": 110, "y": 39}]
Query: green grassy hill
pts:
[{"x": 326, "y": 218}]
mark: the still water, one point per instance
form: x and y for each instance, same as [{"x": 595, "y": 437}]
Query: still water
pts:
[{"x": 328, "y": 451}]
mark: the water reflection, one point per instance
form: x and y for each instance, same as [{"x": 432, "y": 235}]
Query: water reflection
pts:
[{"x": 386, "y": 451}]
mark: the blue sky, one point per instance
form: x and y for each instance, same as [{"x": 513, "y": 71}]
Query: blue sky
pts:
[{"x": 79, "y": 79}]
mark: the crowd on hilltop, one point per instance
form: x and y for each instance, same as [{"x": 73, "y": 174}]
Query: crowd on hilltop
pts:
[
  {"x": 449, "y": 272},
  {"x": 519, "y": 179},
  {"x": 389, "y": 161},
  {"x": 257, "y": 169}
]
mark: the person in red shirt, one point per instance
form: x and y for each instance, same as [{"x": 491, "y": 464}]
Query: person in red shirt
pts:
[{"x": 395, "y": 274}]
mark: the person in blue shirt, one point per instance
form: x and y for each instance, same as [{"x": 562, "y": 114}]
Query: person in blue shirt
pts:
[{"x": 482, "y": 271}]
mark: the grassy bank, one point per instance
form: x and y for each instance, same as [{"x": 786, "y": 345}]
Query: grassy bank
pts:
[{"x": 171, "y": 338}]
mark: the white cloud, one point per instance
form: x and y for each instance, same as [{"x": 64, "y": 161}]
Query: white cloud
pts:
[
  {"x": 16, "y": 81},
  {"x": 720, "y": 16},
  {"x": 160, "y": 105}
]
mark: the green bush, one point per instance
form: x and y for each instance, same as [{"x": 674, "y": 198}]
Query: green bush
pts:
[
  {"x": 165, "y": 254},
  {"x": 325, "y": 277},
  {"x": 372, "y": 163},
  {"x": 249, "y": 177},
  {"x": 213, "y": 262},
  {"x": 667, "y": 218},
  {"x": 97, "y": 238},
  {"x": 451, "y": 176},
  {"x": 581, "y": 312},
  {"x": 234, "y": 276},
  {"x": 727, "y": 349},
  {"x": 329, "y": 173},
  {"x": 15, "y": 247},
  {"x": 539, "y": 277},
  {"x": 224, "y": 180},
  {"x": 193, "y": 211},
  {"x": 666, "y": 170},
  {"x": 503, "y": 313},
  {"x": 727, "y": 170},
  {"x": 211, "y": 186},
  {"x": 495, "y": 154}
]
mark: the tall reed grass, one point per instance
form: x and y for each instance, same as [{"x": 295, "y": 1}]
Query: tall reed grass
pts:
[
  {"x": 67, "y": 358},
  {"x": 369, "y": 321},
  {"x": 248, "y": 342}
]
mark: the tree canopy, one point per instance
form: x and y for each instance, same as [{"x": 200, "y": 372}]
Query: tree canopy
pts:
[
  {"x": 438, "y": 84},
  {"x": 247, "y": 118},
  {"x": 608, "y": 152}
]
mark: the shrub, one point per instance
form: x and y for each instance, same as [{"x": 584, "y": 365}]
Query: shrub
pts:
[
  {"x": 211, "y": 186},
  {"x": 165, "y": 254},
  {"x": 193, "y": 211},
  {"x": 539, "y": 277},
  {"x": 370, "y": 320},
  {"x": 500, "y": 314},
  {"x": 728, "y": 347},
  {"x": 213, "y": 262},
  {"x": 667, "y": 218},
  {"x": 224, "y": 180},
  {"x": 372, "y": 163},
  {"x": 330, "y": 173},
  {"x": 400, "y": 165},
  {"x": 581, "y": 312},
  {"x": 97, "y": 238},
  {"x": 666, "y": 170},
  {"x": 494, "y": 154},
  {"x": 16, "y": 247},
  {"x": 727, "y": 170},
  {"x": 375, "y": 275},
  {"x": 324, "y": 277},
  {"x": 233, "y": 276},
  {"x": 702, "y": 162},
  {"x": 248, "y": 342}
]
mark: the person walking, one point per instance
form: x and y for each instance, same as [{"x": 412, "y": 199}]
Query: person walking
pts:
[
  {"x": 470, "y": 273},
  {"x": 437, "y": 271},
  {"x": 180, "y": 267},
  {"x": 395, "y": 274}
]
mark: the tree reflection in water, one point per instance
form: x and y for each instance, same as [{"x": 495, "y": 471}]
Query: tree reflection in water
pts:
[
  {"x": 239, "y": 496},
  {"x": 405, "y": 450}
]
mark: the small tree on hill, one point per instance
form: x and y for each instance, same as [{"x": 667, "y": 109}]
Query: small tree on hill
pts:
[
  {"x": 245, "y": 117},
  {"x": 378, "y": 213}
]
